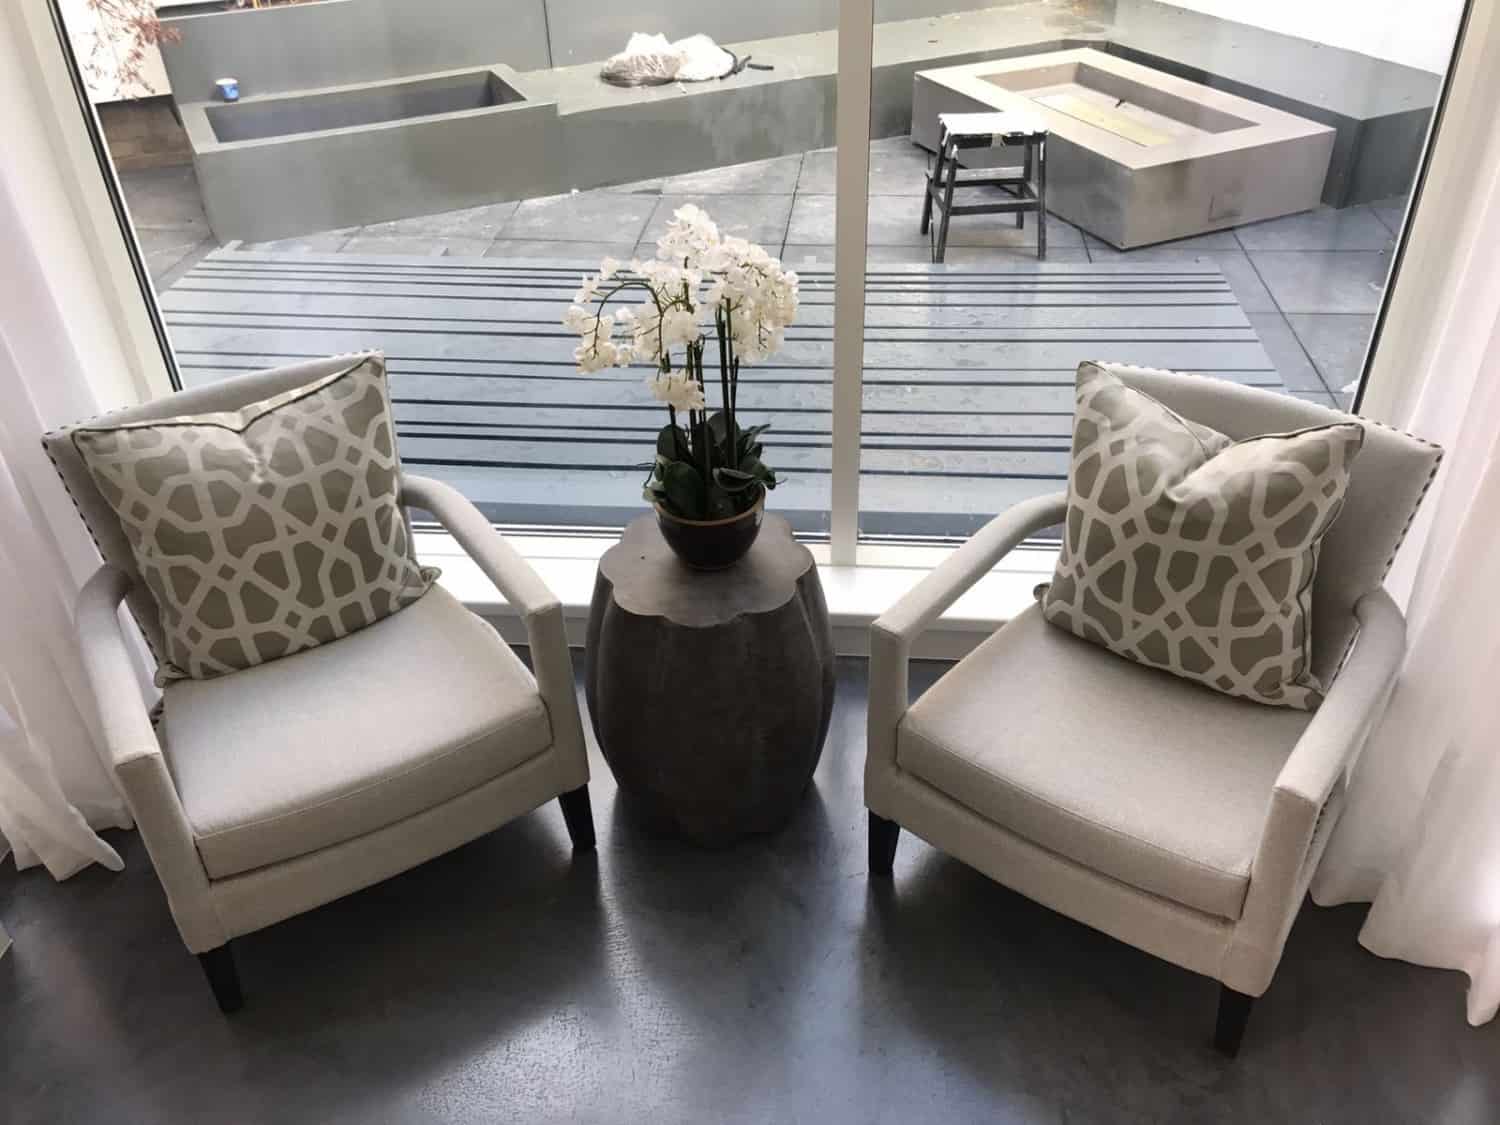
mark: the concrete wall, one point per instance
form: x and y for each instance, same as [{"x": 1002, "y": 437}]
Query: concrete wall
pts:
[
  {"x": 338, "y": 42},
  {"x": 1419, "y": 35},
  {"x": 585, "y": 30},
  {"x": 332, "y": 42},
  {"x": 342, "y": 42}
]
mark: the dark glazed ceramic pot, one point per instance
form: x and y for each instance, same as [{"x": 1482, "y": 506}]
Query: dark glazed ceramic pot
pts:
[{"x": 712, "y": 544}]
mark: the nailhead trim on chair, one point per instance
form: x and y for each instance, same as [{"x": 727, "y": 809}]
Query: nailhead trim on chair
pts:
[
  {"x": 1412, "y": 515},
  {"x": 1431, "y": 476},
  {"x": 145, "y": 633}
]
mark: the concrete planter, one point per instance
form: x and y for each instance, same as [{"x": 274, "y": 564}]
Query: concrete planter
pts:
[{"x": 280, "y": 165}]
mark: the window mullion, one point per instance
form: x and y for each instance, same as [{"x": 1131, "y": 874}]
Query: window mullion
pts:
[{"x": 852, "y": 135}]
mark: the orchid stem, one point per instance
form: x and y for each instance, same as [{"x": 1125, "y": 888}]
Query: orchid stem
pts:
[{"x": 731, "y": 434}]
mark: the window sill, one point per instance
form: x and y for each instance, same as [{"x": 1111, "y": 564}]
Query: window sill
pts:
[{"x": 856, "y": 595}]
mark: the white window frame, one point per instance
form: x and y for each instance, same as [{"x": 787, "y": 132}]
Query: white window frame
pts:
[
  {"x": 87, "y": 180},
  {"x": 861, "y": 579},
  {"x": 856, "y": 37}
]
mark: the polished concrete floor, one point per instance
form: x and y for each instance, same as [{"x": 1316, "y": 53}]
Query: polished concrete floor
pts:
[{"x": 652, "y": 982}]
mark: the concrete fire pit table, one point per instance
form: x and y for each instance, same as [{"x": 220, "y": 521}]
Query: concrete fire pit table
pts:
[
  {"x": 1136, "y": 156},
  {"x": 710, "y": 691}
]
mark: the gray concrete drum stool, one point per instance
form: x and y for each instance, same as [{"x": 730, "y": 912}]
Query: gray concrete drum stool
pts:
[
  {"x": 710, "y": 691},
  {"x": 960, "y": 132}
]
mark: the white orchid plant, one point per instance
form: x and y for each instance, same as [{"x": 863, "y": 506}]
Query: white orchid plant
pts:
[{"x": 707, "y": 467}]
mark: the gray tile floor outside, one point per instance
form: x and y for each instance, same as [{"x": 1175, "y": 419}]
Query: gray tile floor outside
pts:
[
  {"x": 653, "y": 982},
  {"x": 1311, "y": 283}
]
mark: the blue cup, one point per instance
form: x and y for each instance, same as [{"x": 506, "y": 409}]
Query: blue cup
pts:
[{"x": 229, "y": 89}]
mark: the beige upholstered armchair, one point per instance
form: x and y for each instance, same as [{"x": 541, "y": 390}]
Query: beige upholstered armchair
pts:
[
  {"x": 1185, "y": 822},
  {"x": 271, "y": 790}
]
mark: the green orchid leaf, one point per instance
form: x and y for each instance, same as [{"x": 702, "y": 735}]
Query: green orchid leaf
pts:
[
  {"x": 718, "y": 426},
  {"x": 721, "y": 504},
  {"x": 754, "y": 467},
  {"x": 672, "y": 443},
  {"x": 683, "y": 489},
  {"x": 747, "y": 445},
  {"x": 733, "y": 480}
]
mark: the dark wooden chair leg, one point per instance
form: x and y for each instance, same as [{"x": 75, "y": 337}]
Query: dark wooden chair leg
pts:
[
  {"x": 1234, "y": 1013},
  {"x": 223, "y": 978},
  {"x": 883, "y": 836},
  {"x": 578, "y": 814}
]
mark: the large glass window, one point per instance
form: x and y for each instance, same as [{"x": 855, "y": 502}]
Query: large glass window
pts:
[
  {"x": 433, "y": 179},
  {"x": 1226, "y": 186},
  {"x": 1226, "y": 182}
]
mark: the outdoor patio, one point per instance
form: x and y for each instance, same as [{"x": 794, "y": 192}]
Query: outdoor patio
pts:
[{"x": 967, "y": 364}]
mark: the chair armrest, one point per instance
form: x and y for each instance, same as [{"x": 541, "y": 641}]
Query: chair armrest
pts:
[
  {"x": 512, "y": 575},
  {"x": 892, "y": 634},
  {"x": 522, "y": 587},
  {"x": 920, "y": 606},
  {"x": 135, "y": 756},
  {"x": 123, "y": 718},
  {"x": 1353, "y": 703}
]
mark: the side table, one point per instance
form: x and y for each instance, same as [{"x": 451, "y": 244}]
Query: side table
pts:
[{"x": 710, "y": 691}]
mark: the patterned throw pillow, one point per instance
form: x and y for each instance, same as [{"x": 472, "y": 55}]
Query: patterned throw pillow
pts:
[
  {"x": 264, "y": 531},
  {"x": 1193, "y": 553}
]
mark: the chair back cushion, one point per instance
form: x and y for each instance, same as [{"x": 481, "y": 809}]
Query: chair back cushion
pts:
[
  {"x": 259, "y": 526},
  {"x": 1386, "y": 486}
]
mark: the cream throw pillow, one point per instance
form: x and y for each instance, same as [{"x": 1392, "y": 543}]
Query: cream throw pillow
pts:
[
  {"x": 264, "y": 531},
  {"x": 1192, "y": 553}
]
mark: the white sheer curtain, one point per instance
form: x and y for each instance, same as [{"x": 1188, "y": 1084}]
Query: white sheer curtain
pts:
[
  {"x": 1420, "y": 837},
  {"x": 52, "y": 785},
  {"x": 54, "y": 790}
]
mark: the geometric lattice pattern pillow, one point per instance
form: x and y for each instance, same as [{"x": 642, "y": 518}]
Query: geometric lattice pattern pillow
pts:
[
  {"x": 1192, "y": 553},
  {"x": 268, "y": 530}
]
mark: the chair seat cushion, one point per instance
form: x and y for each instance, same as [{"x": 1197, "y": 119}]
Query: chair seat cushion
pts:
[
  {"x": 1129, "y": 771},
  {"x": 279, "y": 760}
]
